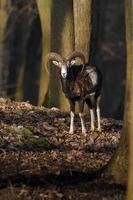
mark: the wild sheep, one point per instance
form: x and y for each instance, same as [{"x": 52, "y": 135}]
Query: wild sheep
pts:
[{"x": 81, "y": 83}]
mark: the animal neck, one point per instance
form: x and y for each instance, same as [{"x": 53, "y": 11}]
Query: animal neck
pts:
[{"x": 74, "y": 71}]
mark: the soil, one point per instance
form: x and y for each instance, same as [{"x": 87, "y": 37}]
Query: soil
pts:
[{"x": 40, "y": 160}]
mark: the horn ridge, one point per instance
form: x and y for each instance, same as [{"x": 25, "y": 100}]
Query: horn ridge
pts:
[
  {"x": 52, "y": 56},
  {"x": 77, "y": 54}
]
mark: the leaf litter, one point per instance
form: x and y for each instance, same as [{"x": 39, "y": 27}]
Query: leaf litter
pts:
[{"x": 35, "y": 141}]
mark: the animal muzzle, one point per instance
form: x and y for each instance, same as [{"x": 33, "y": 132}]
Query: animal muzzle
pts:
[{"x": 64, "y": 71}]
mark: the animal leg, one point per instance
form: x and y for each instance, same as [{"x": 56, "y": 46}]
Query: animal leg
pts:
[
  {"x": 92, "y": 113},
  {"x": 98, "y": 114},
  {"x": 72, "y": 114},
  {"x": 81, "y": 115},
  {"x": 92, "y": 105}
]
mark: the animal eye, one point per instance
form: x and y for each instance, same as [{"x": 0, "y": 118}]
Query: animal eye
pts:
[
  {"x": 55, "y": 63},
  {"x": 73, "y": 62}
]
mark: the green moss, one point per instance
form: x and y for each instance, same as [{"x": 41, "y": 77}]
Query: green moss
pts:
[
  {"x": 39, "y": 142},
  {"x": 1, "y": 140},
  {"x": 27, "y": 132},
  {"x": 26, "y": 136},
  {"x": 30, "y": 139},
  {"x": 32, "y": 129}
]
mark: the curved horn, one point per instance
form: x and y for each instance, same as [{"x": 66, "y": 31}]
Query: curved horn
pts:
[
  {"x": 52, "y": 56},
  {"x": 77, "y": 54}
]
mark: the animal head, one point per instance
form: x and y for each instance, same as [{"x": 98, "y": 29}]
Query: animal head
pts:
[{"x": 63, "y": 63}]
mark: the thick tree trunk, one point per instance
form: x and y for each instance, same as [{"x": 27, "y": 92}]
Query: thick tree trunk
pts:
[
  {"x": 44, "y": 8},
  {"x": 121, "y": 164},
  {"x": 118, "y": 165},
  {"x": 129, "y": 93},
  {"x": 62, "y": 42},
  {"x": 82, "y": 25}
]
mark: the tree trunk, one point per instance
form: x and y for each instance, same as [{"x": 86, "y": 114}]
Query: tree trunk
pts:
[
  {"x": 129, "y": 93},
  {"x": 82, "y": 25},
  {"x": 16, "y": 39},
  {"x": 5, "y": 5},
  {"x": 44, "y": 8},
  {"x": 121, "y": 164},
  {"x": 118, "y": 165},
  {"x": 62, "y": 42}
]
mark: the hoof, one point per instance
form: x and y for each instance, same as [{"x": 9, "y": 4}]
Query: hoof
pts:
[
  {"x": 91, "y": 140},
  {"x": 92, "y": 129},
  {"x": 84, "y": 131},
  {"x": 99, "y": 129},
  {"x": 71, "y": 132},
  {"x": 84, "y": 134}
]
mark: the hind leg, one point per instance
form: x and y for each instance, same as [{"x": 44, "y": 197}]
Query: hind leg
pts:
[
  {"x": 92, "y": 114},
  {"x": 91, "y": 105},
  {"x": 81, "y": 115},
  {"x": 98, "y": 113}
]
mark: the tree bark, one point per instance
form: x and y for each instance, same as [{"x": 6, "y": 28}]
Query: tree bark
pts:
[
  {"x": 118, "y": 165},
  {"x": 129, "y": 93},
  {"x": 5, "y": 6},
  {"x": 62, "y": 42},
  {"x": 16, "y": 39},
  {"x": 82, "y": 25},
  {"x": 44, "y": 8},
  {"x": 121, "y": 164}
]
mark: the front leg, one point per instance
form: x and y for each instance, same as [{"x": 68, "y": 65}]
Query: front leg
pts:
[
  {"x": 81, "y": 115},
  {"x": 72, "y": 114},
  {"x": 92, "y": 113}
]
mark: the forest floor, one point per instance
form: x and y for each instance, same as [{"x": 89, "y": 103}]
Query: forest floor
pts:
[{"x": 40, "y": 160}]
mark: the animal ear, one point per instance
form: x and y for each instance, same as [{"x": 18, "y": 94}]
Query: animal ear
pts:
[
  {"x": 73, "y": 62},
  {"x": 55, "y": 62}
]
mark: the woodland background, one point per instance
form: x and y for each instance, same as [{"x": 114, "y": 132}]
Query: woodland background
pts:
[
  {"x": 28, "y": 32},
  {"x": 103, "y": 31}
]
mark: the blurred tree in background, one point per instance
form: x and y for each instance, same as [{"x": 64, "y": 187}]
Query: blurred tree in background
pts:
[
  {"x": 4, "y": 11},
  {"x": 45, "y": 9},
  {"x": 32, "y": 28},
  {"x": 108, "y": 52},
  {"x": 22, "y": 51}
]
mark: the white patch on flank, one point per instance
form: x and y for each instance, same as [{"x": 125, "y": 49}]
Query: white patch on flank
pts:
[
  {"x": 92, "y": 94},
  {"x": 92, "y": 75}
]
